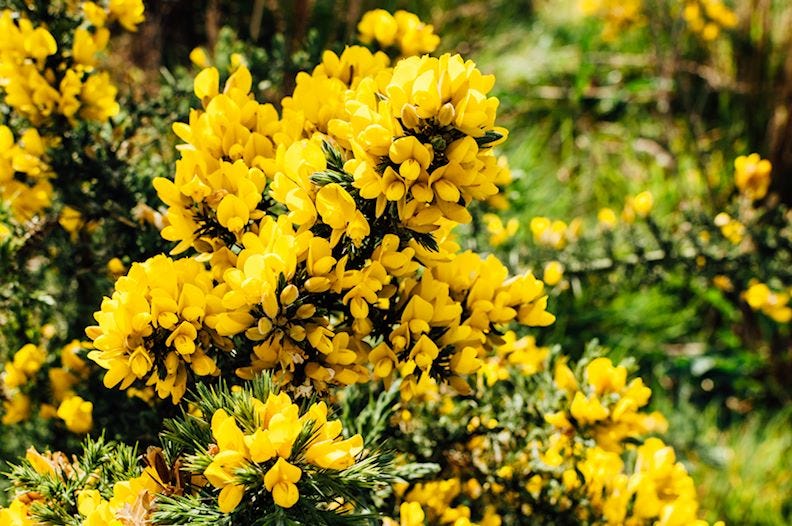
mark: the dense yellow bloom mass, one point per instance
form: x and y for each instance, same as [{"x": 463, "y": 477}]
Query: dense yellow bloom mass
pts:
[
  {"x": 221, "y": 176},
  {"x": 426, "y": 146},
  {"x": 152, "y": 328},
  {"x": 408, "y": 140},
  {"x": 37, "y": 90},
  {"x": 594, "y": 463},
  {"x": 49, "y": 84},
  {"x": 268, "y": 449},
  {"x": 323, "y": 221}
]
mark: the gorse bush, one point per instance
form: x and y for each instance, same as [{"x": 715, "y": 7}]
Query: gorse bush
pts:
[{"x": 288, "y": 319}]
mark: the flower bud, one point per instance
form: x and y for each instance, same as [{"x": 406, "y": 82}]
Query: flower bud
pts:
[
  {"x": 409, "y": 116},
  {"x": 446, "y": 115}
]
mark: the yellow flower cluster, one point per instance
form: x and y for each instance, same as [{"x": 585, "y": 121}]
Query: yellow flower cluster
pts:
[
  {"x": 131, "y": 503},
  {"x": 618, "y": 15},
  {"x": 707, "y": 18},
  {"x": 520, "y": 353},
  {"x": 22, "y": 372},
  {"x": 605, "y": 406},
  {"x": 731, "y": 228},
  {"x": 657, "y": 491},
  {"x": 152, "y": 327},
  {"x": 752, "y": 176},
  {"x": 500, "y": 233},
  {"x": 452, "y": 314},
  {"x": 269, "y": 449},
  {"x": 327, "y": 228},
  {"x": 23, "y": 367},
  {"x": 131, "y": 500},
  {"x": 592, "y": 463},
  {"x": 416, "y": 138},
  {"x": 433, "y": 501},
  {"x": 554, "y": 233},
  {"x": 24, "y": 174},
  {"x": 402, "y": 30},
  {"x": 773, "y": 304},
  {"x": 40, "y": 90},
  {"x": 427, "y": 146},
  {"x": 52, "y": 86}
]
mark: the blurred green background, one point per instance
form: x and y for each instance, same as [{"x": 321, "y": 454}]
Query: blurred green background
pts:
[
  {"x": 599, "y": 108},
  {"x": 594, "y": 118}
]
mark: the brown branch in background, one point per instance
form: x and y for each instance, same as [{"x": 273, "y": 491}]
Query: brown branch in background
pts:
[
  {"x": 301, "y": 16},
  {"x": 212, "y": 21},
  {"x": 147, "y": 44},
  {"x": 256, "y": 16},
  {"x": 780, "y": 126},
  {"x": 353, "y": 16},
  {"x": 277, "y": 15}
]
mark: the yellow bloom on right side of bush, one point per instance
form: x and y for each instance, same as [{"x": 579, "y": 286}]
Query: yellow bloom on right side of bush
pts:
[
  {"x": 774, "y": 304},
  {"x": 752, "y": 176}
]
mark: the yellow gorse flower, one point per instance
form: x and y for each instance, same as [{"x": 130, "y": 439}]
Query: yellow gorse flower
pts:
[
  {"x": 38, "y": 91},
  {"x": 316, "y": 215},
  {"x": 129, "y": 13},
  {"x": 131, "y": 500},
  {"x": 642, "y": 203},
  {"x": 152, "y": 327},
  {"x": 774, "y": 304},
  {"x": 403, "y": 31},
  {"x": 16, "y": 514},
  {"x": 551, "y": 233},
  {"x": 77, "y": 414},
  {"x": 752, "y": 176},
  {"x": 707, "y": 18},
  {"x": 731, "y": 228},
  {"x": 607, "y": 218},
  {"x": 498, "y": 231},
  {"x": 604, "y": 404},
  {"x": 48, "y": 85},
  {"x": 553, "y": 273},
  {"x": 618, "y": 15},
  {"x": 24, "y": 174},
  {"x": 269, "y": 448}
]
